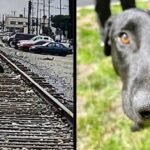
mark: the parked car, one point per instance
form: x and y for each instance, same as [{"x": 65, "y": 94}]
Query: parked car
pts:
[
  {"x": 51, "y": 48},
  {"x": 35, "y": 38},
  {"x": 18, "y": 37},
  {"x": 26, "y": 46},
  {"x": 6, "y": 35},
  {"x": 65, "y": 43},
  {"x": 9, "y": 39},
  {"x": 71, "y": 45}
]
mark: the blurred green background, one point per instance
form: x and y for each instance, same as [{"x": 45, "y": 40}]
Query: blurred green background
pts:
[{"x": 101, "y": 123}]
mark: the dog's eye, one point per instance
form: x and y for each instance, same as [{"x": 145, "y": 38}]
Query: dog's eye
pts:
[{"x": 124, "y": 38}]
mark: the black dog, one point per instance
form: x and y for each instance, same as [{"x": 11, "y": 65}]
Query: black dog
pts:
[{"x": 127, "y": 40}]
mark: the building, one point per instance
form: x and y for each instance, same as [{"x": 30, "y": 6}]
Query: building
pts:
[
  {"x": 20, "y": 24},
  {"x": 15, "y": 23}
]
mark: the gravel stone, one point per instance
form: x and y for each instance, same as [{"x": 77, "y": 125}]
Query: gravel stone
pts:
[{"x": 57, "y": 70}]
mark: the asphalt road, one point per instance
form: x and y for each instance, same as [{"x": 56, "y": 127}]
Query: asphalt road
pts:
[{"x": 88, "y": 2}]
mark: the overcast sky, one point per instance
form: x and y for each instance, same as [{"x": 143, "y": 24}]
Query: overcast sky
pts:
[{"x": 7, "y": 6}]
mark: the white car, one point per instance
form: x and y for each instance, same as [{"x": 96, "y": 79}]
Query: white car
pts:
[
  {"x": 6, "y": 36},
  {"x": 35, "y": 38},
  {"x": 66, "y": 44}
]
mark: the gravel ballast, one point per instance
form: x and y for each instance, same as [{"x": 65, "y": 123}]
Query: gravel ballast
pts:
[{"x": 57, "y": 70}]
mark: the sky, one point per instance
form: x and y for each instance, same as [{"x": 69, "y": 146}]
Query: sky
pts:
[{"x": 7, "y": 6}]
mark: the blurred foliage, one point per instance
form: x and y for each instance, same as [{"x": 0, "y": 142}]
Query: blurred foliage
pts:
[
  {"x": 62, "y": 22},
  {"x": 101, "y": 124}
]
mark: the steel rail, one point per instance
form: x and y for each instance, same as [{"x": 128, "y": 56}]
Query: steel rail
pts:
[{"x": 48, "y": 97}]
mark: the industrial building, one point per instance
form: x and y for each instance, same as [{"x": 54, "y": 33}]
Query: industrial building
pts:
[{"x": 20, "y": 24}]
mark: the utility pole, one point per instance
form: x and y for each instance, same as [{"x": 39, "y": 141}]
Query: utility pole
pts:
[
  {"x": 37, "y": 17},
  {"x": 40, "y": 19},
  {"x": 3, "y": 22},
  {"x": 32, "y": 8},
  {"x": 60, "y": 14},
  {"x": 13, "y": 13},
  {"x": 29, "y": 15},
  {"x": 44, "y": 13},
  {"x": 24, "y": 12},
  {"x": 44, "y": 17},
  {"x": 71, "y": 13},
  {"x": 49, "y": 13},
  {"x": 70, "y": 8},
  {"x": 60, "y": 7}
]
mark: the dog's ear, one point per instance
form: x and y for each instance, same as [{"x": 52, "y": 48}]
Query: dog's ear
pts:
[{"x": 107, "y": 36}]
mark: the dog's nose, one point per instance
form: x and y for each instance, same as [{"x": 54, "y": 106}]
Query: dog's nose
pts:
[
  {"x": 141, "y": 104},
  {"x": 145, "y": 114}
]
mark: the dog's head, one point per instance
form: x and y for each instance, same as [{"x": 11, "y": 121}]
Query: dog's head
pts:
[{"x": 127, "y": 41}]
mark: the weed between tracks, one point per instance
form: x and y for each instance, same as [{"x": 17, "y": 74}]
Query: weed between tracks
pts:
[{"x": 101, "y": 124}]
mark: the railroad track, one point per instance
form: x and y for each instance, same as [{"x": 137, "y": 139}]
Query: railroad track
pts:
[{"x": 31, "y": 117}]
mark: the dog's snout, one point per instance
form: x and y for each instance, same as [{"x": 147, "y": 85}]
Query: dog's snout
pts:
[
  {"x": 145, "y": 114},
  {"x": 141, "y": 104}
]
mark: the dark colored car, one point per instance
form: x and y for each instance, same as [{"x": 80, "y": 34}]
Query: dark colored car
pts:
[
  {"x": 20, "y": 36},
  {"x": 51, "y": 48}
]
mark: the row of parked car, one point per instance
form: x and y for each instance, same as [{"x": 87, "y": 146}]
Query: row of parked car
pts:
[{"x": 37, "y": 44}]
